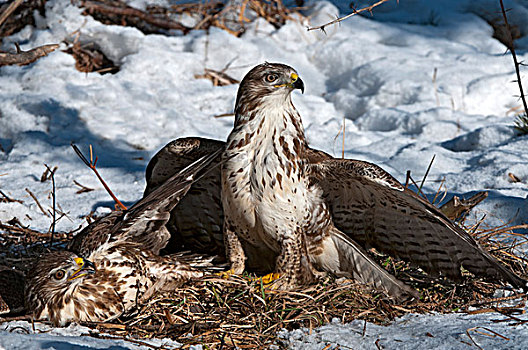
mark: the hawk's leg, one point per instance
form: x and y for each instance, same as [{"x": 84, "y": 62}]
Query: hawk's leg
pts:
[
  {"x": 292, "y": 267},
  {"x": 234, "y": 251}
]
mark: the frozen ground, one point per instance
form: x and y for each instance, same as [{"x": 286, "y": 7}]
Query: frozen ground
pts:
[
  {"x": 21, "y": 335},
  {"x": 376, "y": 75}
]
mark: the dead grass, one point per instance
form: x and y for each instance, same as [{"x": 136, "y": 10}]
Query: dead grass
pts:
[
  {"x": 242, "y": 313},
  {"x": 88, "y": 58}
]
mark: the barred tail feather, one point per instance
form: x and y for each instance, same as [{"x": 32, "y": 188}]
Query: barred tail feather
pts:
[{"x": 344, "y": 257}]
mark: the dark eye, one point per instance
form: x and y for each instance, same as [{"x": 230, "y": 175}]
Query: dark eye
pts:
[
  {"x": 270, "y": 78},
  {"x": 59, "y": 275}
]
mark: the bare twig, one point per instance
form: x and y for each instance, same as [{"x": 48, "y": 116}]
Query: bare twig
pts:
[
  {"x": 223, "y": 115},
  {"x": 435, "y": 86},
  {"x": 339, "y": 132},
  {"x": 10, "y": 10},
  {"x": 92, "y": 165},
  {"x": 54, "y": 213},
  {"x": 36, "y": 201},
  {"x": 427, "y": 172},
  {"x": 83, "y": 188},
  {"x": 23, "y": 58},
  {"x": 470, "y": 338},
  {"x": 514, "y": 56},
  {"x": 340, "y": 19},
  {"x": 8, "y": 199},
  {"x": 343, "y": 145},
  {"x": 219, "y": 78},
  {"x": 46, "y": 175},
  {"x": 409, "y": 177}
]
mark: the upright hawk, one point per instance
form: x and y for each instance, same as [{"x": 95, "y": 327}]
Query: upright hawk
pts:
[{"x": 293, "y": 210}]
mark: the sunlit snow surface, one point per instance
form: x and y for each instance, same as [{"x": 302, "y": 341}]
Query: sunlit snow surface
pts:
[{"x": 374, "y": 74}]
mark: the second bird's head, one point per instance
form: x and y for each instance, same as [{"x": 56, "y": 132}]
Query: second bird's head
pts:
[{"x": 55, "y": 273}]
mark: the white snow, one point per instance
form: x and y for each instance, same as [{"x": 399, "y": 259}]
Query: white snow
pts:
[
  {"x": 21, "y": 335},
  {"x": 374, "y": 74},
  {"x": 448, "y": 331}
]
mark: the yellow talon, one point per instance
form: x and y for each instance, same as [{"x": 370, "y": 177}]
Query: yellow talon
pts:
[
  {"x": 270, "y": 277},
  {"x": 226, "y": 274}
]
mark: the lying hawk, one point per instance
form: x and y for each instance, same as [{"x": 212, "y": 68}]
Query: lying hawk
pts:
[
  {"x": 113, "y": 264},
  {"x": 294, "y": 210}
]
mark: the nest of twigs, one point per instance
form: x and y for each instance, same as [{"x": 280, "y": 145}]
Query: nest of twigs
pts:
[{"x": 243, "y": 313}]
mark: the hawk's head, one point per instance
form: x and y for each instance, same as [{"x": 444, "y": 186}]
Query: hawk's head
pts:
[
  {"x": 53, "y": 278},
  {"x": 264, "y": 81}
]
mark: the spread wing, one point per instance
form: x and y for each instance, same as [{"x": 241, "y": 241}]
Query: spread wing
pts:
[
  {"x": 144, "y": 222},
  {"x": 375, "y": 210},
  {"x": 196, "y": 223}
]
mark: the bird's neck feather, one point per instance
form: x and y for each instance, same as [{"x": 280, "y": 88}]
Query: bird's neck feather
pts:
[{"x": 271, "y": 120}]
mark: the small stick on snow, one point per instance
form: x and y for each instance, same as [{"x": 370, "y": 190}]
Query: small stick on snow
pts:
[
  {"x": 340, "y": 19},
  {"x": 54, "y": 213},
  {"x": 91, "y": 164},
  {"x": 8, "y": 199},
  {"x": 470, "y": 338},
  {"x": 36, "y": 201},
  {"x": 427, "y": 172},
  {"x": 23, "y": 58},
  {"x": 83, "y": 188},
  {"x": 514, "y": 56}
]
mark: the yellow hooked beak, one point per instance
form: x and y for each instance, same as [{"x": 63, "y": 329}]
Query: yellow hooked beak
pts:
[
  {"x": 295, "y": 83},
  {"x": 85, "y": 267}
]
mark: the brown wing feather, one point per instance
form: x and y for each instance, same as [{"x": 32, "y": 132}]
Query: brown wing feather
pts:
[
  {"x": 196, "y": 223},
  {"x": 355, "y": 262},
  {"x": 144, "y": 222},
  {"x": 375, "y": 210}
]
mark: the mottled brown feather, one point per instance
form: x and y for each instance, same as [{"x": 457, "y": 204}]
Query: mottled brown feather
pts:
[{"x": 123, "y": 249}]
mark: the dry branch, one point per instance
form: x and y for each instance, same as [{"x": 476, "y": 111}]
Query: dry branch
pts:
[
  {"x": 355, "y": 12},
  {"x": 32, "y": 195},
  {"x": 219, "y": 78},
  {"x": 92, "y": 165},
  {"x": 127, "y": 11},
  {"x": 23, "y": 58},
  {"x": 516, "y": 63},
  {"x": 7, "y": 199},
  {"x": 10, "y": 9},
  {"x": 83, "y": 188},
  {"x": 53, "y": 195},
  {"x": 16, "y": 15},
  {"x": 227, "y": 15}
]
